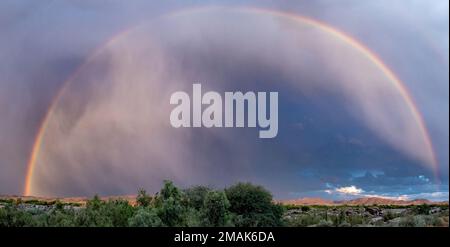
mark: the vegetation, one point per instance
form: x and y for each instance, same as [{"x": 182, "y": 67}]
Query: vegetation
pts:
[
  {"x": 253, "y": 206},
  {"x": 361, "y": 216},
  {"x": 239, "y": 205},
  {"x": 242, "y": 205}
]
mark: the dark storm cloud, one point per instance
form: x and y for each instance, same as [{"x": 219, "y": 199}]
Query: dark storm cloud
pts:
[{"x": 43, "y": 43}]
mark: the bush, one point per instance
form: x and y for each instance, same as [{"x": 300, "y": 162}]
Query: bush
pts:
[
  {"x": 169, "y": 204},
  {"x": 407, "y": 221},
  {"x": 119, "y": 211},
  {"x": 305, "y": 208},
  {"x": 61, "y": 218},
  {"x": 145, "y": 217},
  {"x": 194, "y": 218},
  {"x": 356, "y": 220},
  {"x": 142, "y": 199},
  {"x": 253, "y": 206},
  {"x": 40, "y": 220},
  {"x": 95, "y": 203},
  {"x": 195, "y": 196},
  {"x": 3, "y": 217},
  {"x": 215, "y": 209},
  {"x": 14, "y": 217},
  {"x": 345, "y": 224},
  {"x": 412, "y": 221},
  {"x": 304, "y": 220},
  {"x": 422, "y": 209},
  {"x": 59, "y": 205},
  {"x": 94, "y": 215},
  {"x": 388, "y": 216},
  {"x": 325, "y": 223},
  {"x": 433, "y": 220}
]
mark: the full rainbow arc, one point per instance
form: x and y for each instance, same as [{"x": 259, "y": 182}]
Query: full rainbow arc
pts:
[{"x": 339, "y": 35}]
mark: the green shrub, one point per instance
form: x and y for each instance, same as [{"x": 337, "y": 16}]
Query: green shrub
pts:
[
  {"x": 345, "y": 224},
  {"x": 305, "y": 208},
  {"x": 253, "y": 206},
  {"x": 422, "y": 209},
  {"x": 95, "y": 203},
  {"x": 59, "y": 205},
  {"x": 14, "y": 217},
  {"x": 194, "y": 218},
  {"x": 412, "y": 221},
  {"x": 142, "y": 199},
  {"x": 92, "y": 218},
  {"x": 388, "y": 216},
  {"x": 215, "y": 209},
  {"x": 434, "y": 220},
  {"x": 169, "y": 204},
  {"x": 94, "y": 214},
  {"x": 6, "y": 201},
  {"x": 356, "y": 220},
  {"x": 61, "y": 218},
  {"x": 119, "y": 211},
  {"x": 3, "y": 217},
  {"x": 145, "y": 217},
  {"x": 325, "y": 223},
  {"x": 304, "y": 220},
  {"x": 195, "y": 196}
]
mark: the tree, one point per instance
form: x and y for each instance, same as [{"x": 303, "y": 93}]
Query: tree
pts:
[
  {"x": 59, "y": 205},
  {"x": 142, "y": 199},
  {"x": 305, "y": 208},
  {"x": 193, "y": 218},
  {"x": 145, "y": 217},
  {"x": 94, "y": 215},
  {"x": 215, "y": 209},
  {"x": 253, "y": 206},
  {"x": 169, "y": 205},
  {"x": 4, "y": 218},
  {"x": 422, "y": 209},
  {"x": 95, "y": 203},
  {"x": 169, "y": 190},
  {"x": 195, "y": 196},
  {"x": 119, "y": 211},
  {"x": 62, "y": 218},
  {"x": 11, "y": 216}
]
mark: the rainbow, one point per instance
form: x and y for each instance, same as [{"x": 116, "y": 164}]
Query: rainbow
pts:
[{"x": 340, "y": 35}]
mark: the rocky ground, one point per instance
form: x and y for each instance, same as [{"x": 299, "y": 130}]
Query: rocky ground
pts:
[{"x": 369, "y": 215}]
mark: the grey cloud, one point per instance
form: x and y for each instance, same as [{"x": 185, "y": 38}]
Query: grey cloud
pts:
[{"x": 46, "y": 42}]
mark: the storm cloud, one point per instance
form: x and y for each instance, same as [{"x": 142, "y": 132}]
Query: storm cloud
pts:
[{"x": 109, "y": 130}]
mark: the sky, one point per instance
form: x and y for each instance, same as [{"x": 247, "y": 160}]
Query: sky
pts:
[{"x": 97, "y": 77}]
